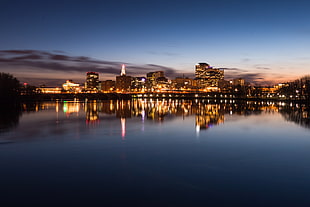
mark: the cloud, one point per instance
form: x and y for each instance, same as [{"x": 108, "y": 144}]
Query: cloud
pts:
[
  {"x": 256, "y": 78},
  {"x": 37, "y": 63},
  {"x": 262, "y": 67},
  {"x": 55, "y": 62},
  {"x": 17, "y": 52},
  {"x": 234, "y": 69},
  {"x": 59, "y": 57},
  {"x": 28, "y": 57}
]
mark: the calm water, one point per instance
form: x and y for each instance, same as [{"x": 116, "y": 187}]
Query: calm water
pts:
[{"x": 155, "y": 153}]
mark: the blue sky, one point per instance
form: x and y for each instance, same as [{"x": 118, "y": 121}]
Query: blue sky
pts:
[{"x": 262, "y": 41}]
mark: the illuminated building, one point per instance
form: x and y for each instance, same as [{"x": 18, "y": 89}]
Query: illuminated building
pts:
[
  {"x": 138, "y": 84},
  {"x": 183, "y": 83},
  {"x": 51, "y": 90},
  {"x": 153, "y": 76},
  {"x": 123, "y": 82},
  {"x": 123, "y": 70},
  {"x": 201, "y": 70},
  {"x": 108, "y": 85},
  {"x": 156, "y": 80},
  {"x": 208, "y": 76},
  {"x": 238, "y": 81},
  {"x": 92, "y": 81},
  {"x": 70, "y": 86}
]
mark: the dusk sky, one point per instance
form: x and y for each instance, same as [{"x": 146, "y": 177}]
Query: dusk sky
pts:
[{"x": 47, "y": 42}]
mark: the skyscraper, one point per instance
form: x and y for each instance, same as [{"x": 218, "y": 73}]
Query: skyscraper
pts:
[
  {"x": 92, "y": 81},
  {"x": 201, "y": 70},
  {"x": 208, "y": 76},
  {"x": 123, "y": 82}
]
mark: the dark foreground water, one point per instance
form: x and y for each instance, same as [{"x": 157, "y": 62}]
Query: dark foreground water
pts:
[{"x": 155, "y": 153}]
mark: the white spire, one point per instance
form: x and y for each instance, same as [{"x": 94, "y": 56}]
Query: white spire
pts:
[{"x": 123, "y": 71}]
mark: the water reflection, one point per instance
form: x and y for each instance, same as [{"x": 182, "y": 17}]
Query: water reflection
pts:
[
  {"x": 9, "y": 116},
  {"x": 250, "y": 154},
  {"x": 297, "y": 113},
  {"x": 207, "y": 113},
  {"x": 92, "y": 112}
]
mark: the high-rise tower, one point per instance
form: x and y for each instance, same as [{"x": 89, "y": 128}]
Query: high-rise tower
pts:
[
  {"x": 92, "y": 81},
  {"x": 201, "y": 70},
  {"x": 123, "y": 82},
  {"x": 208, "y": 76}
]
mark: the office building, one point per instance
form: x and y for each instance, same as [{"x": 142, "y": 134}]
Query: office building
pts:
[
  {"x": 92, "y": 81},
  {"x": 156, "y": 80},
  {"x": 138, "y": 84},
  {"x": 108, "y": 85},
  {"x": 207, "y": 76}
]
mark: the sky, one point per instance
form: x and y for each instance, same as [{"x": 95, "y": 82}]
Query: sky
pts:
[{"x": 48, "y": 42}]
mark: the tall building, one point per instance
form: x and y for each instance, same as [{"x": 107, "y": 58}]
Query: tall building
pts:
[
  {"x": 92, "y": 81},
  {"x": 123, "y": 82},
  {"x": 208, "y": 76},
  {"x": 201, "y": 70},
  {"x": 156, "y": 79}
]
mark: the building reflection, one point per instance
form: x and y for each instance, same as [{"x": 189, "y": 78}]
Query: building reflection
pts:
[
  {"x": 92, "y": 111},
  {"x": 70, "y": 107},
  {"x": 123, "y": 124},
  {"x": 207, "y": 113},
  {"x": 299, "y": 114},
  {"x": 123, "y": 109}
]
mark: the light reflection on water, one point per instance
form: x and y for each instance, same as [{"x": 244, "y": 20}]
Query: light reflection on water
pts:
[
  {"x": 207, "y": 113},
  {"x": 156, "y": 152}
]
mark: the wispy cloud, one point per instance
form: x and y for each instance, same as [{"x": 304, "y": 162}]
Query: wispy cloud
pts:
[
  {"x": 252, "y": 77},
  {"x": 262, "y": 67},
  {"x": 234, "y": 69}
]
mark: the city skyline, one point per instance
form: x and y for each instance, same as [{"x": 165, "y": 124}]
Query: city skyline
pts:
[{"x": 263, "y": 42}]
